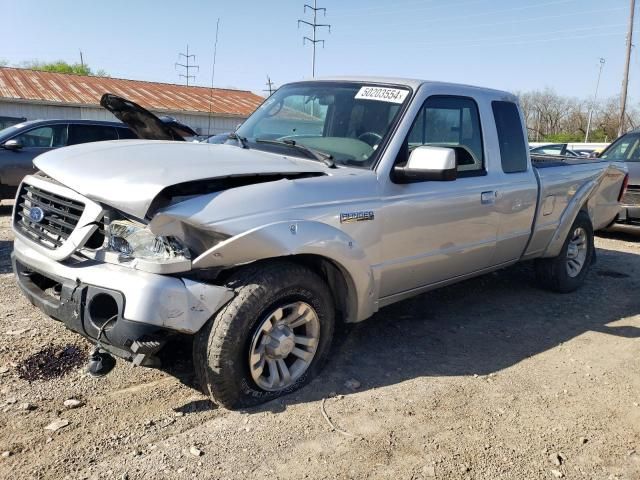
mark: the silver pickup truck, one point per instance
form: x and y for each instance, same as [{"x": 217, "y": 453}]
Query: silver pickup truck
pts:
[{"x": 334, "y": 199}]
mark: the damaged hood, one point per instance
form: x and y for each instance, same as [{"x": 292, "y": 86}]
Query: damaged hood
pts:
[
  {"x": 129, "y": 174},
  {"x": 144, "y": 123}
]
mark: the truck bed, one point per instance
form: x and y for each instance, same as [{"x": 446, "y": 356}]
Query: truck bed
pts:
[
  {"x": 568, "y": 183},
  {"x": 546, "y": 161}
]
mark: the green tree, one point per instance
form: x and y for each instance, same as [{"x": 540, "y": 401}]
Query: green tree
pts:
[{"x": 61, "y": 66}]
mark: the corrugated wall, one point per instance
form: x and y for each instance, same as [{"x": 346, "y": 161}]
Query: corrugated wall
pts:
[{"x": 199, "y": 123}]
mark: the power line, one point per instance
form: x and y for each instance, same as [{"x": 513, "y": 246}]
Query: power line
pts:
[
  {"x": 527, "y": 42},
  {"x": 362, "y": 12},
  {"x": 271, "y": 87},
  {"x": 186, "y": 66},
  {"x": 314, "y": 26},
  {"x": 516, "y": 37},
  {"x": 527, "y": 19},
  {"x": 419, "y": 6},
  {"x": 487, "y": 41},
  {"x": 625, "y": 78}
]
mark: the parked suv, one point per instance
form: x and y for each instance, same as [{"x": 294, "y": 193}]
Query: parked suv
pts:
[
  {"x": 627, "y": 149},
  {"x": 23, "y": 142}
]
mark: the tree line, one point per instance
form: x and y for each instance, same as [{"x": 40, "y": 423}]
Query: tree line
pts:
[
  {"x": 59, "y": 66},
  {"x": 554, "y": 118}
]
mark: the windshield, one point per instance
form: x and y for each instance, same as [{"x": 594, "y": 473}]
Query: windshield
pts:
[
  {"x": 625, "y": 149},
  {"x": 348, "y": 121},
  {"x": 6, "y": 132}
]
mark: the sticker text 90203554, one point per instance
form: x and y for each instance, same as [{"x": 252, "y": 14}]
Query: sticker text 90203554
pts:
[{"x": 382, "y": 94}]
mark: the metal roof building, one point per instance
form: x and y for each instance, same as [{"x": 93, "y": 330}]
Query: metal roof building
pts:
[{"x": 30, "y": 94}]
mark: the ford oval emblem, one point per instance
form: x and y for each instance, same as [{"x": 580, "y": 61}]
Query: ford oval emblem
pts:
[{"x": 36, "y": 214}]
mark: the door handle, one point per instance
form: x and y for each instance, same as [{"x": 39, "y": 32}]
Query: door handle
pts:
[{"x": 488, "y": 198}]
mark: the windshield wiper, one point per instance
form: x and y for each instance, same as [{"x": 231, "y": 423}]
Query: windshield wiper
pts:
[
  {"x": 239, "y": 138},
  {"x": 327, "y": 158}
]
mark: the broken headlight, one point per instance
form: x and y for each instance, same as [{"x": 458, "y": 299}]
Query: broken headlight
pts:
[{"x": 133, "y": 240}]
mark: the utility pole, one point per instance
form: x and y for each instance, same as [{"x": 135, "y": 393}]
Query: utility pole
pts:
[
  {"x": 314, "y": 26},
  {"x": 186, "y": 65},
  {"x": 595, "y": 98},
  {"x": 81, "y": 60},
  {"x": 271, "y": 87},
  {"x": 625, "y": 79}
]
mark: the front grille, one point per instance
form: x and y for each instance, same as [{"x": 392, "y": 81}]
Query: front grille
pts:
[
  {"x": 60, "y": 217},
  {"x": 631, "y": 197}
]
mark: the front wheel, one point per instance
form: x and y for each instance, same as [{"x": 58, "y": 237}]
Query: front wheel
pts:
[
  {"x": 271, "y": 339},
  {"x": 566, "y": 272}
]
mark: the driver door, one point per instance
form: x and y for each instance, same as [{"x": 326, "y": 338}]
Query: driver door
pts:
[{"x": 439, "y": 230}]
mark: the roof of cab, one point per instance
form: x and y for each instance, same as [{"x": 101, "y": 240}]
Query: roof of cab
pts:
[{"x": 413, "y": 83}]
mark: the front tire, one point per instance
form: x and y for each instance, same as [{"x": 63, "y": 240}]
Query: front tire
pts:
[
  {"x": 272, "y": 338},
  {"x": 567, "y": 272}
]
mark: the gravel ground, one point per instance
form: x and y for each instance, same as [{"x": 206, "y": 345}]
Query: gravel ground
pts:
[{"x": 491, "y": 378}]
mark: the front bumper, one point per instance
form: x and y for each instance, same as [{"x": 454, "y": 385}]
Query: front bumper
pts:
[{"x": 142, "y": 309}]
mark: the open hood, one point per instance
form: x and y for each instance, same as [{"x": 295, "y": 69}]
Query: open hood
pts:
[
  {"x": 129, "y": 174},
  {"x": 144, "y": 123}
]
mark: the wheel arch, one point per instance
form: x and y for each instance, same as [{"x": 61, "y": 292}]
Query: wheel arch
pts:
[
  {"x": 579, "y": 203},
  {"x": 337, "y": 278},
  {"x": 326, "y": 250}
]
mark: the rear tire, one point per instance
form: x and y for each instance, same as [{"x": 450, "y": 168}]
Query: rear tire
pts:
[
  {"x": 250, "y": 351},
  {"x": 566, "y": 272}
]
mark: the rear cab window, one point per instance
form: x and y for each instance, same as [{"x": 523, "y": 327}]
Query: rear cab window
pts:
[{"x": 513, "y": 147}]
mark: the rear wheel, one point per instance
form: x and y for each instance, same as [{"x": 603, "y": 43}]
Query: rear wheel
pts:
[
  {"x": 271, "y": 339},
  {"x": 566, "y": 272}
]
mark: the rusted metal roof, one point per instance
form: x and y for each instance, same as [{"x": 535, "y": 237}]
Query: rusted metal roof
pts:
[{"x": 52, "y": 88}]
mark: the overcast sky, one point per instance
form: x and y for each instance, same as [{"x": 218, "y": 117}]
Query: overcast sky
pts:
[{"x": 505, "y": 44}]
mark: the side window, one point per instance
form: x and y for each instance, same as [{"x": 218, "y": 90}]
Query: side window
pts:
[
  {"x": 44, "y": 137},
  {"x": 451, "y": 122},
  {"x": 513, "y": 148},
  {"x": 125, "y": 133},
  {"x": 91, "y": 133}
]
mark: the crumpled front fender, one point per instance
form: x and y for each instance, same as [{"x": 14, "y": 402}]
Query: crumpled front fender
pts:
[{"x": 299, "y": 238}]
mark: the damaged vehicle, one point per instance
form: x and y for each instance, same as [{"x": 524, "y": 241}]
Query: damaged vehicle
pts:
[{"x": 335, "y": 198}]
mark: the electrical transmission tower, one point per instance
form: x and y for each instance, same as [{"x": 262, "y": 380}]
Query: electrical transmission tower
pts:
[
  {"x": 186, "y": 66},
  {"x": 314, "y": 26},
  {"x": 271, "y": 87}
]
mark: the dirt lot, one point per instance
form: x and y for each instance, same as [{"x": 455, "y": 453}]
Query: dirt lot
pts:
[{"x": 492, "y": 378}]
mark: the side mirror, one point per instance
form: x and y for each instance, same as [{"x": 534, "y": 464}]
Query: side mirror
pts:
[
  {"x": 12, "y": 145},
  {"x": 428, "y": 163}
]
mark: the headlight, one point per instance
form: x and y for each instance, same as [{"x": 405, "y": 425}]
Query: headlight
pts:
[{"x": 132, "y": 240}]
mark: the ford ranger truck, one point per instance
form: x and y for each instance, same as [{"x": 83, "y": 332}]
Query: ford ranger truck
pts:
[{"x": 335, "y": 198}]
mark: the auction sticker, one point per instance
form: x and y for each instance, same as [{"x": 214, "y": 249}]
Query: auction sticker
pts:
[{"x": 382, "y": 94}]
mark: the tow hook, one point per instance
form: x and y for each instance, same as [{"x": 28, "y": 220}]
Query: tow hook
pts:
[{"x": 100, "y": 362}]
